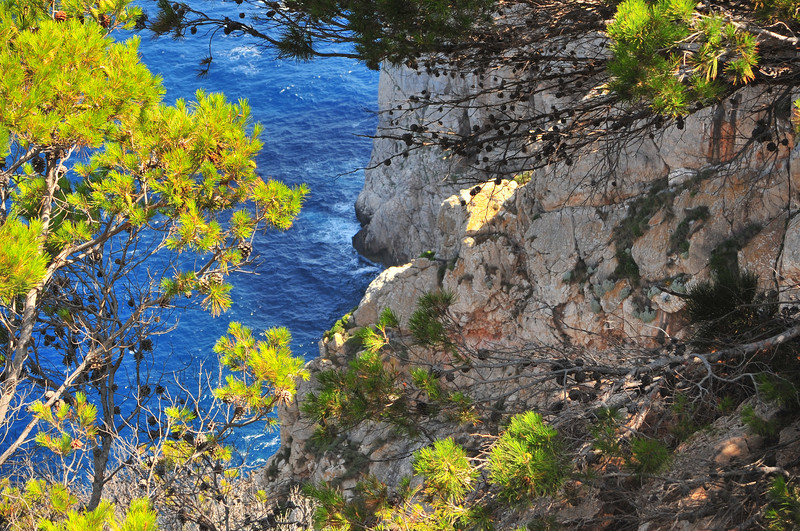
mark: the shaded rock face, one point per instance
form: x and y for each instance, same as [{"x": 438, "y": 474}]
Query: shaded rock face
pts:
[{"x": 399, "y": 204}]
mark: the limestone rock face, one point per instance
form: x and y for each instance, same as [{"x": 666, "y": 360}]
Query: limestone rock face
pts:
[
  {"x": 397, "y": 288},
  {"x": 400, "y": 201},
  {"x": 589, "y": 256},
  {"x": 539, "y": 259},
  {"x": 789, "y": 264}
]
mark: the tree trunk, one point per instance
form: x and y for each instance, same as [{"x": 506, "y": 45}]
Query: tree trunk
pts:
[
  {"x": 100, "y": 456},
  {"x": 19, "y": 354}
]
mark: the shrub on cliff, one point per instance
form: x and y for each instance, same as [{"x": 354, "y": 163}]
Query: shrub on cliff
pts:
[
  {"x": 729, "y": 313},
  {"x": 673, "y": 55},
  {"x": 527, "y": 461},
  {"x": 51, "y": 508},
  {"x": 447, "y": 471}
]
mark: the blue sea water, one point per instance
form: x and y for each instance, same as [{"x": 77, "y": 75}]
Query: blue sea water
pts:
[{"x": 313, "y": 114}]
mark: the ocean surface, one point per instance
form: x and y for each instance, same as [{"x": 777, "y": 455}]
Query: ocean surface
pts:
[{"x": 310, "y": 275}]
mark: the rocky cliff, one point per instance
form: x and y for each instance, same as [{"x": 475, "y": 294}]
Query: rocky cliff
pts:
[
  {"x": 539, "y": 256},
  {"x": 586, "y": 261}
]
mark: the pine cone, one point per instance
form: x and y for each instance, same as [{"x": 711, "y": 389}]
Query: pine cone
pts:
[
  {"x": 38, "y": 165},
  {"x": 245, "y": 248},
  {"x": 203, "y": 284}
]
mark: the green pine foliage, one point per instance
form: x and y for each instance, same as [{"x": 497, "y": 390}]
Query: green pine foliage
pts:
[
  {"x": 678, "y": 240},
  {"x": 139, "y": 517},
  {"x": 427, "y": 323},
  {"x": 99, "y": 176},
  {"x": 408, "y": 28},
  {"x": 723, "y": 308},
  {"x": 340, "y": 326},
  {"x": 796, "y": 116},
  {"x": 184, "y": 173},
  {"x": 783, "y": 513},
  {"x": 756, "y": 424},
  {"x": 728, "y": 310},
  {"x": 648, "y": 456},
  {"x": 429, "y": 383},
  {"x": 672, "y": 56},
  {"x": 51, "y": 507},
  {"x": 334, "y": 513},
  {"x": 604, "y": 431},
  {"x": 527, "y": 460},
  {"x": 23, "y": 507},
  {"x": 261, "y": 373},
  {"x": 780, "y": 386},
  {"x": 374, "y": 338},
  {"x": 375, "y": 387},
  {"x": 447, "y": 472},
  {"x": 66, "y": 429},
  {"x": 367, "y": 389},
  {"x": 23, "y": 261},
  {"x": 687, "y": 415},
  {"x": 642, "y": 455}
]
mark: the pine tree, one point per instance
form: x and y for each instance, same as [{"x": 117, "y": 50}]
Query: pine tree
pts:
[{"x": 114, "y": 207}]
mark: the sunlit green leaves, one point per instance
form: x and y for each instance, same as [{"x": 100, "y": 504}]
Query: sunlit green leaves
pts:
[
  {"x": 334, "y": 513},
  {"x": 279, "y": 202},
  {"x": 527, "y": 460},
  {"x": 262, "y": 373},
  {"x": 179, "y": 418},
  {"x": 217, "y": 297},
  {"x": 44, "y": 100},
  {"x": 670, "y": 55},
  {"x": 110, "y": 192},
  {"x": 242, "y": 224},
  {"x": 140, "y": 517},
  {"x": 66, "y": 428},
  {"x": 5, "y": 137},
  {"x": 67, "y": 86},
  {"x": 23, "y": 263},
  {"x": 448, "y": 474},
  {"x": 21, "y": 508}
]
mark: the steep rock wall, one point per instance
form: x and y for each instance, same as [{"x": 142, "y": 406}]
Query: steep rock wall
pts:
[
  {"x": 403, "y": 188},
  {"x": 544, "y": 260},
  {"x": 589, "y": 257}
]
